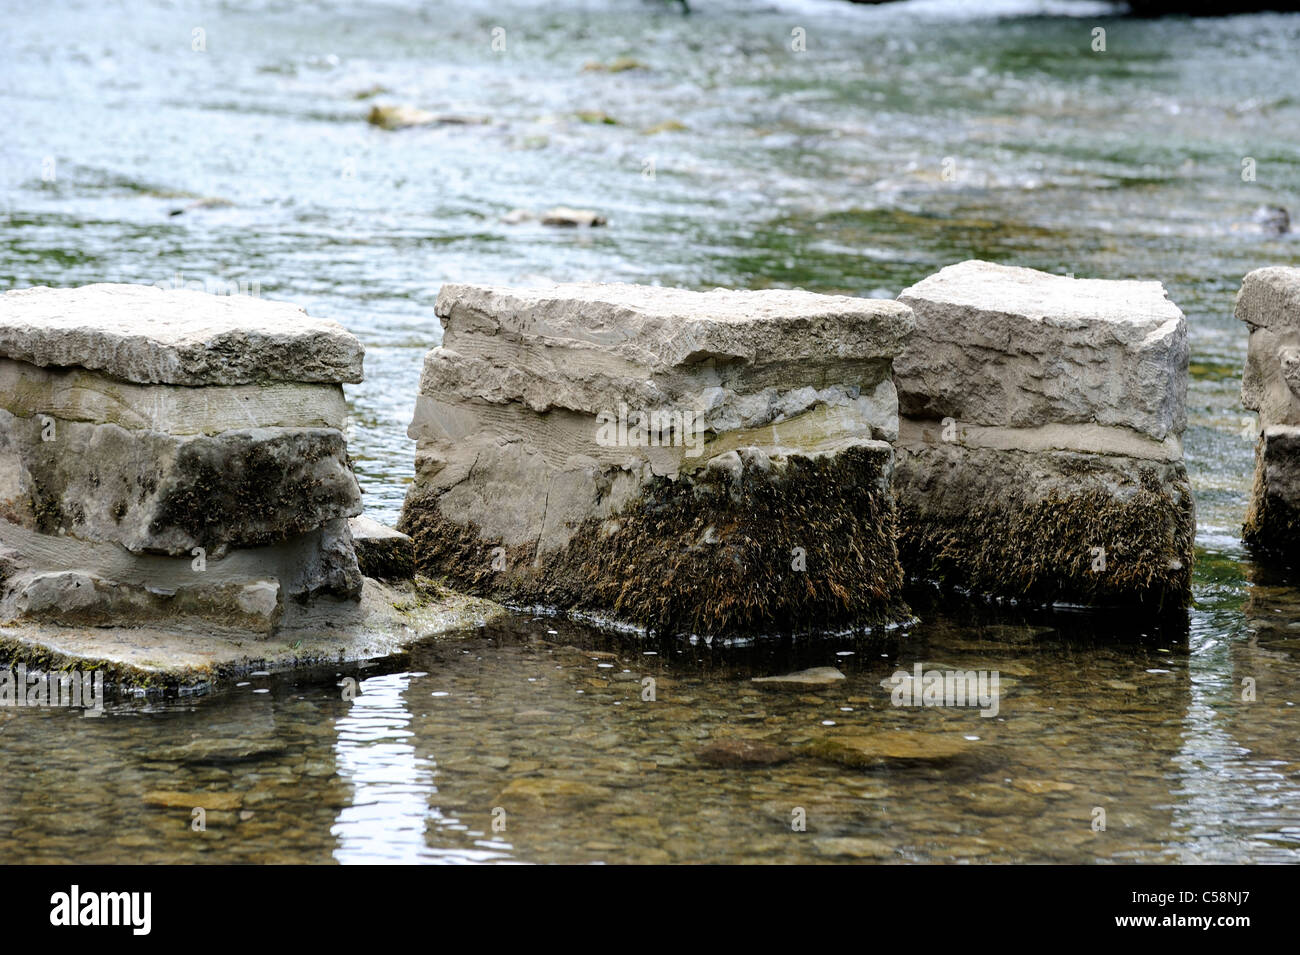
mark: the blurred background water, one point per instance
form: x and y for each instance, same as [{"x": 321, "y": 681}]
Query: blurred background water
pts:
[{"x": 723, "y": 157}]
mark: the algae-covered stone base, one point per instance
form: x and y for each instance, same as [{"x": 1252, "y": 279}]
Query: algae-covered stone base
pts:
[
  {"x": 1045, "y": 528},
  {"x": 1273, "y": 520},
  {"x": 750, "y": 544},
  {"x": 159, "y": 493}
]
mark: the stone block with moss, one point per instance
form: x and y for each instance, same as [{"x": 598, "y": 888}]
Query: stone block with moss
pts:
[
  {"x": 1040, "y": 447},
  {"x": 173, "y": 455},
  {"x": 382, "y": 552},
  {"x": 689, "y": 462},
  {"x": 1269, "y": 305}
]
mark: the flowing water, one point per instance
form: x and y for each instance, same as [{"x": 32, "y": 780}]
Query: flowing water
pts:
[{"x": 901, "y": 139}]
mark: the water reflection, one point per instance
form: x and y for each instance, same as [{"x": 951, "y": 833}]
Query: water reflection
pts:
[{"x": 394, "y": 798}]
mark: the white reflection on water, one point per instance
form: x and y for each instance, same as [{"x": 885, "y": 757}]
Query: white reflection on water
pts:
[{"x": 394, "y": 794}]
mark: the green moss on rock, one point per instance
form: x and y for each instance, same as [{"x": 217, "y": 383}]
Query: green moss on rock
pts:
[
  {"x": 1048, "y": 528},
  {"x": 251, "y": 490},
  {"x": 719, "y": 553},
  {"x": 1272, "y": 525}
]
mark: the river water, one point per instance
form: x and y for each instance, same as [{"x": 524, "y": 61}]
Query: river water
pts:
[{"x": 726, "y": 158}]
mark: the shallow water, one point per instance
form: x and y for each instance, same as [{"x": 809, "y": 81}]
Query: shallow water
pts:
[{"x": 821, "y": 169}]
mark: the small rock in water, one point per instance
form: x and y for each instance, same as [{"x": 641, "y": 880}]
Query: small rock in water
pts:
[
  {"x": 210, "y": 203},
  {"x": 529, "y": 792},
  {"x": 618, "y": 65},
  {"x": 558, "y": 216},
  {"x": 1007, "y": 633},
  {"x": 1038, "y": 787},
  {"x": 596, "y": 117},
  {"x": 221, "y": 802},
  {"x": 854, "y": 847},
  {"x": 403, "y": 117},
  {"x": 565, "y": 216},
  {"x": 398, "y": 117},
  {"x": 861, "y": 751},
  {"x": 667, "y": 126},
  {"x": 735, "y": 753},
  {"x": 217, "y": 751},
  {"x": 817, "y": 676},
  {"x": 1274, "y": 220},
  {"x": 369, "y": 91}
]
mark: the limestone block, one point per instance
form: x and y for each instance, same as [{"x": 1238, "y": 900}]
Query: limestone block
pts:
[
  {"x": 1269, "y": 305},
  {"x": 149, "y": 335},
  {"x": 382, "y": 552},
  {"x": 1040, "y": 447},
  {"x": 173, "y": 458},
  {"x": 1014, "y": 347},
  {"x": 613, "y": 448}
]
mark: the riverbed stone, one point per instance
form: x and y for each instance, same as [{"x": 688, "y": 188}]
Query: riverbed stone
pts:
[
  {"x": 694, "y": 461},
  {"x": 1269, "y": 305},
  {"x": 817, "y": 676},
  {"x": 543, "y": 793},
  {"x": 743, "y": 753},
  {"x": 862, "y": 750},
  {"x": 1040, "y": 439},
  {"x": 219, "y": 802}
]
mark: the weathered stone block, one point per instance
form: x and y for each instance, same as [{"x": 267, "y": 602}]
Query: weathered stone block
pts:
[
  {"x": 1040, "y": 453},
  {"x": 129, "y": 589},
  {"x": 382, "y": 552},
  {"x": 146, "y": 433},
  {"x": 1269, "y": 305},
  {"x": 1012, "y": 347},
  {"x": 149, "y": 335},
  {"x": 1273, "y": 516},
  {"x": 707, "y": 462},
  {"x": 80, "y": 599}
]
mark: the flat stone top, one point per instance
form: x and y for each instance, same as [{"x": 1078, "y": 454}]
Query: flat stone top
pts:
[
  {"x": 1270, "y": 297},
  {"x": 673, "y": 325},
  {"x": 1042, "y": 297},
  {"x": 148, "y": 335}
]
